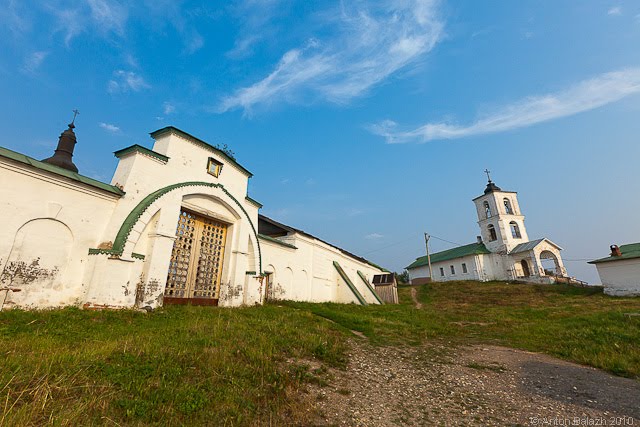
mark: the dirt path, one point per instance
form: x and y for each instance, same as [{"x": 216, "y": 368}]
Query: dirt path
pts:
[
  {"x": 480, "y": 385},
  {"x": 414, "y": 297}
]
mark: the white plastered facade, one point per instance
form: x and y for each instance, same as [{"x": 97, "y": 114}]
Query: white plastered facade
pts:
[
  {"x": 621, "y": 277},
  {"x": 65, "y": 240}
]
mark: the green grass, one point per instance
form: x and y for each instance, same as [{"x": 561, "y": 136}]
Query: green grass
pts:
[{"x": 246, "y": 366}]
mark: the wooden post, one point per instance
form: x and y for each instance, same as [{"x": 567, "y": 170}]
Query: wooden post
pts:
[{"x": 426, "y": 242}]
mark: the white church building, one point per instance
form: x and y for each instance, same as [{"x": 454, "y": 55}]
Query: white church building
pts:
[
  {"x": 174, "y": 225},
  {"x": 503, "y": 250}
]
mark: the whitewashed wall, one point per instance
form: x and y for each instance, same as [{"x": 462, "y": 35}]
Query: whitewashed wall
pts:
[
  {"x": 308, "y": 274},
  {"x": 620, "y": 278},
  {"x": 48, "y": 224}
]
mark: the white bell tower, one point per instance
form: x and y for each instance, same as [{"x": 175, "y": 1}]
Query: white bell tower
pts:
[{"x": 499, "y": 218}]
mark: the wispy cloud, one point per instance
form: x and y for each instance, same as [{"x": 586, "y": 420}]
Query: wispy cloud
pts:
[
  {"x": 168, "y": 108},
  {"x": 14, "y": 18},
  {"x": 351, "y": 212},
  {"x": 69, "y": 22},
  {"x": 373, "y": 236},
  {"x": 33, "y": 61},
  {"x": 101, "y": 16},
  {"x": 583, "y": 96},
  {"x": 109, "y": 127},
  {"x": 615, "y": 11},
  {"x": 109, "y": 15},
  {"x": 125, "y": 81},
  {"x": 369, "y": 44}
]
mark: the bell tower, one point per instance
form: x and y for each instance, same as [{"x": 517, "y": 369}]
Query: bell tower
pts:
[{"x": 499, "y": 217}]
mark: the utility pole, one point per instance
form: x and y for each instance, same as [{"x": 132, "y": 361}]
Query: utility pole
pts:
[{"x": 426, "y": 242}]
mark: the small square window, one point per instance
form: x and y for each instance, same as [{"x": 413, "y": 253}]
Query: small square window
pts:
[
  {"x": 464, "y": 268},
  {"x": 453, "y": 270},
  {"x": 442, "y": 271},
  {"x": 214, "y": 167}
]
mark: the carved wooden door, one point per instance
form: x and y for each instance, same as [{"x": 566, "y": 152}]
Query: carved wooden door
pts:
[{"x": 196, "y": 262}]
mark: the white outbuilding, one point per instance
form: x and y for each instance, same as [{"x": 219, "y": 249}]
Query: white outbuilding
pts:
[
  {"x": 503, "y": 251},
  {"x": 620, "y": 271},
  {"x": 174, "y": 225}
]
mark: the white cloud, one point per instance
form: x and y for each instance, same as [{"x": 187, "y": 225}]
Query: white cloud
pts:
[
  {"x": 373, "y": 236},
  {"x": 34, "y": 61},
  {"x": 615, "y": 10},
  {"x": 369, "y": 45},
  {"x": 70, "y": 22},
  {"x": 14, "y": 17},
  {"x": 109, "y": 15},
  {"x": 109, "y": 127},
  {"x": 168, "y": 108},
  {"x": 125, "y": 81},
  {"x": 97, "y": 16},
  {"x": 583, "y": 96},
  {"x": 351, "y": 212}
]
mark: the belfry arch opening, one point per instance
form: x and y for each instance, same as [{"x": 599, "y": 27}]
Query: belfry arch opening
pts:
[{"x": 493, "y": 236}]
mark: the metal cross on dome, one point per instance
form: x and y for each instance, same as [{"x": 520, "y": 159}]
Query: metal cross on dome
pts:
[
  {"x": 75, "y": 113},
  {"x": 487, "y": 171}
]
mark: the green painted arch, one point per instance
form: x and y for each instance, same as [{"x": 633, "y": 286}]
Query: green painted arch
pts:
[{"x": 133, "y": 217}]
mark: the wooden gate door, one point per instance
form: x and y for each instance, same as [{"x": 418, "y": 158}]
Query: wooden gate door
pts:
[{"x": 196, "y": 262}]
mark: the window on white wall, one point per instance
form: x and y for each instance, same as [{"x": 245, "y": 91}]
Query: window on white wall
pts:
[
  {"x": 441, "y": 271},
  {"x": 507, "y": 206},
  {"x": 464, "y": 268},
  {"x": 487, "y": 210},
  {"x": 453, "y": 270},
  {"x": 515, "y": 230},
  {"x": 492, "y": 233}
]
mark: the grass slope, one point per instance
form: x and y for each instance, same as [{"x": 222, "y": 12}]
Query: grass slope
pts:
[{"x": 245, "y": 366}]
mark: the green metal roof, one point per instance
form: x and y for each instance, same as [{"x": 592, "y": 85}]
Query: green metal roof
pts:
[
  {"x": 630, "y": 251},
  {"x": 255, "y": 202},
  {"x": 135, "y": 148},
  {"x": 21, "y": 158},
  {"x": 184, "y": 134},
  {"x": 459, "y": 252}
]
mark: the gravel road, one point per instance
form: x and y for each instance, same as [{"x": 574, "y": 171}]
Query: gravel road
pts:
[{"x": 477, "y": 385}]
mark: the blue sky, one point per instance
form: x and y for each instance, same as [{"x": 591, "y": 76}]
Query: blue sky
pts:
[{"x": 364, "y": 123}]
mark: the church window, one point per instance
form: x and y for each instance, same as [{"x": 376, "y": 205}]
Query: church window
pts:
[
  {"x": 214, "y": 167},
  {"x": 464, "y": 268},
  {"x": 441, "y": 271},
  {"x": 492, "y": 233},
  {"x": 453, "y": 270},
  {"x": 515, "y": 230},
  {"x": 487, "y": 209},
  {"x": 507, "y": 207}
]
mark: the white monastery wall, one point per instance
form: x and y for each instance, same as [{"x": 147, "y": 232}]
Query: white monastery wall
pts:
[
  {"x": 64, "y": 242},
  {"x": 308, "y": 274},
  {"x": 45, "y": 237},
  {"x": 621, "y": 277}
]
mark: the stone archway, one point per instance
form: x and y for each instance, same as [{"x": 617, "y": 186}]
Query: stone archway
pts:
[{"x": 550, "y": 264}]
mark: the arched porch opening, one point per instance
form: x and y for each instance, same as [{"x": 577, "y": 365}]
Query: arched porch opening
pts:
[
  {"x": 550, "y": 264},
  {"x": 526, "y": 272}
]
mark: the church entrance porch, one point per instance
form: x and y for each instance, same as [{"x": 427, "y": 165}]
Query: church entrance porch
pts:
[
  {"x": 550, "y": 264},
  {"x": 195, "y": 268}
]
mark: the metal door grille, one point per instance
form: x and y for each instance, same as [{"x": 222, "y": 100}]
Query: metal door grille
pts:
[{"x": 196, "y": 262}]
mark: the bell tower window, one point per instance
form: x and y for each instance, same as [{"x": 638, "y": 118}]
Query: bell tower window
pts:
[
  {"x": 487, "y": 209},
  {"x": 515, "y": 230},
  {"x": 507, "y": 207},
  {"x": 493, "y": 236}
]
